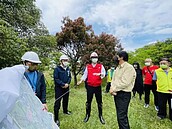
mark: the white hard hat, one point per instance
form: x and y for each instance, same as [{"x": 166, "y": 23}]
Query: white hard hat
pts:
[
  {"x": 94, "y": 54},
  {"x": 31, "y": 56},
  {"x": 63, "y": 57}
]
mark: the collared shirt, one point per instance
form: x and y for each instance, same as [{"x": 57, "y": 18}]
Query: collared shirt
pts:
[
  {"x": 124, "y": 78},
  {"x": 148, "y": 72},
  {"x": 63, "y": 67},
  {"x": 155, "y": 76},
  {"x": 84, "y": 76},
  {"x": 32, "y": 78}
]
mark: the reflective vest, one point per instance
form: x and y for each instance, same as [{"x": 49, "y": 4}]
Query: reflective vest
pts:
[
  {"x": 94, "y": 80},
  {"x": 110, "y": 75},
  {"x": 164, "y": 81}
]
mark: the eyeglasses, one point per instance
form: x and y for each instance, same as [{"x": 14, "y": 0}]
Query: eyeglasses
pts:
[
  {"x": 34, "y": 63},
  {"x": 163, "y": 63}
]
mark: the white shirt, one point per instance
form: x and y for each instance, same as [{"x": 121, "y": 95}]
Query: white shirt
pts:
[{"x": 84, "y": 76}]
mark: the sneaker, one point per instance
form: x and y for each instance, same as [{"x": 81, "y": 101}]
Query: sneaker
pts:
[
  {"x": 160, "y": 117},
  {"x": 58, "y": 123},
  {"x": 157, "y": 108},
  {"x": 67, "y": 113},
  {"x": 102, "y": 120},
  {"x": 146, "y": 105}
]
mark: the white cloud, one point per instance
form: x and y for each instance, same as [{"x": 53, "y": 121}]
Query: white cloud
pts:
[
  {"x": 123, "y": 18},
  {"x": 164, "y": 31},
  {"x": 132, "y": 16},
  {"x": 53, "y": 11}
]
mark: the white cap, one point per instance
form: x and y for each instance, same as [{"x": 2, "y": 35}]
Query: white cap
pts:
[
  {"x": 63, "y": 57},
  {"x": 31, "y": 56},
  {"x": 94, "y": 54}
]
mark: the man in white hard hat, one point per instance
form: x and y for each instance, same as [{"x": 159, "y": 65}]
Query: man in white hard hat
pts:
[
  {"x": 94, "y": 73},
  {"x": 36, "y": 79},
  {"x": 62, "y": 79}
]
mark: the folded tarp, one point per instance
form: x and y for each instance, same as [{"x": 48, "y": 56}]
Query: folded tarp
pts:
[
  {"x": 10, "y": 79},
  {"x": 19, "y": 106}
]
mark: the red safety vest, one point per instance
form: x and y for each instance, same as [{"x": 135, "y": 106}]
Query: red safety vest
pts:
[{"x": 94, "y": 80}]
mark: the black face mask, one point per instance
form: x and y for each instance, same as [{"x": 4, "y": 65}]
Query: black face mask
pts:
[
  {"x": 116, "y": 61},
  {"x": 32, "y": 70}
]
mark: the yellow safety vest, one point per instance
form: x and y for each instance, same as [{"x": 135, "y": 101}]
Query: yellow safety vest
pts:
[
  {"x": 109, "y": 77},
  {"x": 164, "y": 81}
]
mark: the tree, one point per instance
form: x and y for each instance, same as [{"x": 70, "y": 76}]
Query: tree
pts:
[
  {"x": 11, "y": 46},
  {"x": 154, "y": 51},
  {"x": 23, "y": 15},
  {"x": 77, "y": 41},
  {"x": 45, "y": 46},
  {"x": 72, "y": 39},
  {"x": 21, "y": 30}
]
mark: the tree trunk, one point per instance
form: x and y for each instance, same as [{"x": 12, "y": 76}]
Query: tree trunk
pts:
[
  {"x": 74, "y": 75},
  {"x": 75, "y": 79}
]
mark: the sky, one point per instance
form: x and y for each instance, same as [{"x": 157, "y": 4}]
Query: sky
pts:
[{"x": 135, "y": 22}]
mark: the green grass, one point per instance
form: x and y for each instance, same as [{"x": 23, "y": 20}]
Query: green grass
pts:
[{"x": 139, "y": 117}]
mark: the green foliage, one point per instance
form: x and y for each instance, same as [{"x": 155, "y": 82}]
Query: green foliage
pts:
[
  {"x": 21, "y": 31},
  {"x": 46, "y": 48},
  {"x": 23, "y": 15},
  {"x": 154, "y": 51},
  {"x": 11, "y": 46}
]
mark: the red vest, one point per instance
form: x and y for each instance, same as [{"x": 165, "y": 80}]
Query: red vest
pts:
[
  {"x": 92, "y": 79},
  {"x": 146, "y": 73}
]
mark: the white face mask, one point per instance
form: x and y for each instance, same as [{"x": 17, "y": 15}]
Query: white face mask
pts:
[
  {"x": 65, "y": 63},
  {"x": 94, "y": 60},
  {"x": 26, "y": 67},
  {"x": 147, "y": 63}
]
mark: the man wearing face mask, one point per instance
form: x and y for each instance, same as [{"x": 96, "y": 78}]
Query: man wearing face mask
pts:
[
  {"x": 62, "y": 79},
  {"x": 148, "y": 71},
  {"x": 94, "y": 73},
  {"x": 121, "y": 86},
  {"x": 163, "y": 77},
  {"x": 36, "y": 79}
]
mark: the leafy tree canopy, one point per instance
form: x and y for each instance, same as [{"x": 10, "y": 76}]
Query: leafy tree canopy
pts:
[
  {"x": 23, "y": 15},
  {"x": 154, "y": 51}
]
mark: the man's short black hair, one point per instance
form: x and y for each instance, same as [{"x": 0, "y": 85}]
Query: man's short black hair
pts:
[
  {"x": 123, "y": 54},
  {"x": 165, "y": 59}
]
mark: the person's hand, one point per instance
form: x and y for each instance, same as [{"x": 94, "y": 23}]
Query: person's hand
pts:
[
  {"x": 170, "y": 91},
  {"x": 45, "y": 107},
  {"x": 97, "y": 74},
  {"x": 112, "y": 92},
  {"x": 66, "y": 86}
]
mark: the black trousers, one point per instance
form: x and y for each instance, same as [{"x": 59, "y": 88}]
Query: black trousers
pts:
[
  {"x": 58, "y": 93},
  {"x": 162, "y": 103},
  {"x": 122, "y": 100},
  {"x": 98, "y": 94},
  {"x": 147, "y": 89},
  {"x": 108, "y": 86}
]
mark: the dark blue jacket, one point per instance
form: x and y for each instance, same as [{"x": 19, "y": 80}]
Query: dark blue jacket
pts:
[
  {"x": 40, "y": 87},
  {"x": 61, "y": 76}
]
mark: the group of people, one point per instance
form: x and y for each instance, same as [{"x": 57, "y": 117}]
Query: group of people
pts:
[
  {"x": 157, "y": 79},
  {"x": 121, "y": 82}
]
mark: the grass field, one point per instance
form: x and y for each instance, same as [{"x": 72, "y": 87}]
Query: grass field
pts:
[{"x": 139, "y": 117}]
